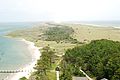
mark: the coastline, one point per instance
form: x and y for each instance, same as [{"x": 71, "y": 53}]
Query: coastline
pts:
[{"x": 29, "y": 68}]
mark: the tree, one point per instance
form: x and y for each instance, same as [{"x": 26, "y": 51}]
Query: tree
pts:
[
  {"x": 116, "y": 75},
  {"x": 44, "y": 63},
  {"x": 100, "y": 59}
]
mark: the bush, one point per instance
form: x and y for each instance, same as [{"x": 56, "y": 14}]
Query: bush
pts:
[{"x": 23, "y": 78}]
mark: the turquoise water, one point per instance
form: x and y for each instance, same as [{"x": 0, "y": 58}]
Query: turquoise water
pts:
[{"x": 13, "y": 53}]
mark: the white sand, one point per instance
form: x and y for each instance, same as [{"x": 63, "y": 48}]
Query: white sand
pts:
[{"x": 30, "y": 67}]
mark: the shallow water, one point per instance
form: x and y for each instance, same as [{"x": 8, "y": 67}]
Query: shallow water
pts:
[{"x": 13, "y": 53}]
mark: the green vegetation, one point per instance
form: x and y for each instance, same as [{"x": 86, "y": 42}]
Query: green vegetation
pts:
[
  {"x": 100, "y": 59},
  {"x": 59, "y": 34},
  {"x": 23, "y": 78},
  {"x": 44, "y": 64}
]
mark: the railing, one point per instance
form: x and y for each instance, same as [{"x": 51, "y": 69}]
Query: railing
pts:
[{"x": 85, "y": 74}]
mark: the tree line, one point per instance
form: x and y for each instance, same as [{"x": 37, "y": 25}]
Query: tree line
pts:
[{"x": 44, "y": 64}]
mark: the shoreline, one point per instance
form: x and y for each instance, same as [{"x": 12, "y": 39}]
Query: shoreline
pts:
[{"x": 29, "y": 68}]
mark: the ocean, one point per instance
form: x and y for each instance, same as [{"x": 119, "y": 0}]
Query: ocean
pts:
[{"x": 13, "y": 52}]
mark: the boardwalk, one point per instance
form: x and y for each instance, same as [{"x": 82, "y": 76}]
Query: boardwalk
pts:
[{"x": 14, "y": 71}]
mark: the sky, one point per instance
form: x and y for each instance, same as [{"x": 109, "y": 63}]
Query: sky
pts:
[{"x": 59, "y": 10}]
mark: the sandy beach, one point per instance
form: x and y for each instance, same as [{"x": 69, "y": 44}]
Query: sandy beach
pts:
[{"x": 29, "y": 68}]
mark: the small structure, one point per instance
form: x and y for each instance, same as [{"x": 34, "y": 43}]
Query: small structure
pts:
[
  {"x": 79, "y": 78},
  {"x": 57, "y": 69}
]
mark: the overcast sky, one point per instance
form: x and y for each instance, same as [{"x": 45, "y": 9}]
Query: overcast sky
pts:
[{"x": 59, "y": 10}]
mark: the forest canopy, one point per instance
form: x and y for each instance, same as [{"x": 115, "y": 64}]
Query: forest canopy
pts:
[{"x": 100, "y": 59}]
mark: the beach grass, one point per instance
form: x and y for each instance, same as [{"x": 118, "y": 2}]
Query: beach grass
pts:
[
  {"x": 60, "y": 48},
  {"x": 87, "y": 33}
]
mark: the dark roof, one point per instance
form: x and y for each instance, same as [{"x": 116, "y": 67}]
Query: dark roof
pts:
[
  {"x": 80, "y": 78},
  {"x": 57, "y": 69}
]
